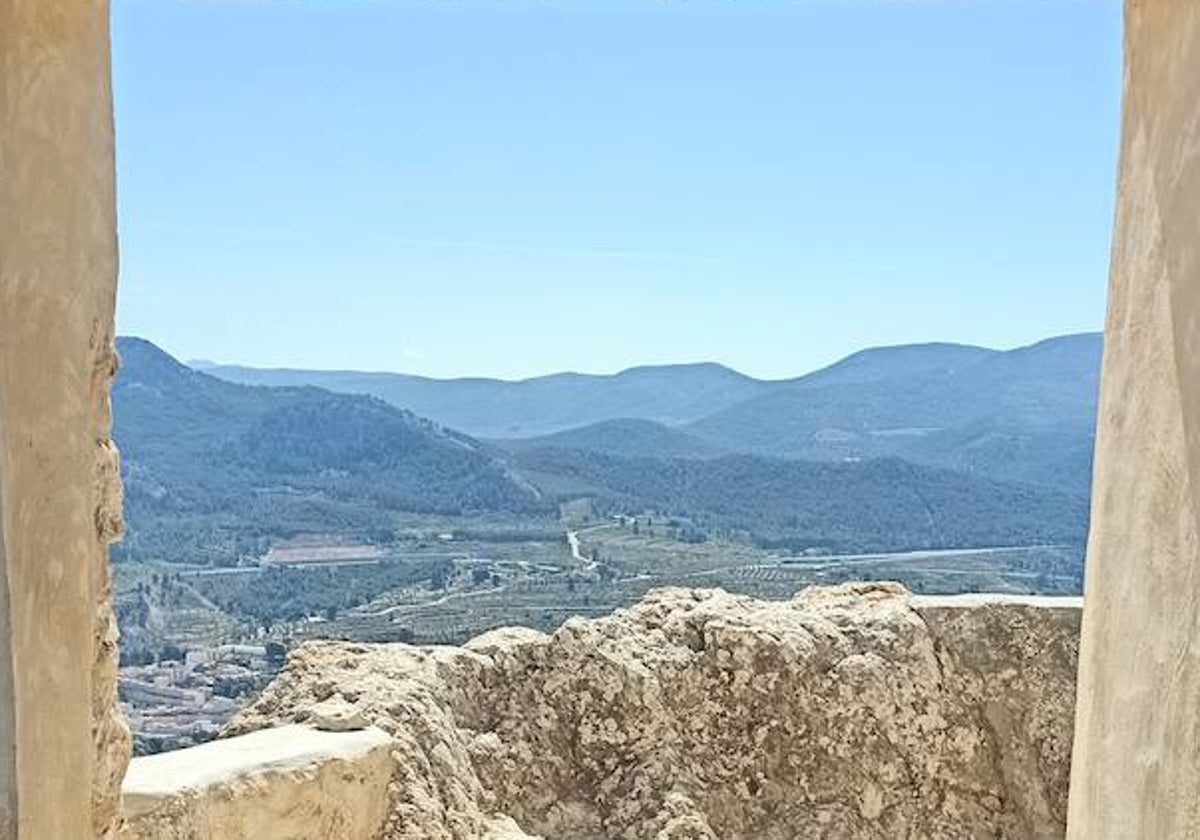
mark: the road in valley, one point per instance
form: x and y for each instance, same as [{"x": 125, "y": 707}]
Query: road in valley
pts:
[
  {"x": 588, "y": 564},
  {"x": 820, "y": 562}
]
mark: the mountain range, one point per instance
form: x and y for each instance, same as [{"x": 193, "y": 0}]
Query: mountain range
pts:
[
  {"x": 215, "y": 470},
  {"x": 1024, "y": 415},
  {"x": 494, "y": 408}
]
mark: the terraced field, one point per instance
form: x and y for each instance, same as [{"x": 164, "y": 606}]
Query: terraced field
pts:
[{"x": 542, "y": 584}]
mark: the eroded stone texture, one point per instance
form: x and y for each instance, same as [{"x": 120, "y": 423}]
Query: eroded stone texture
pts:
[
  {"x": 845, "y": 714},
  {"x": 1137, "y": 748},
  {"x": 278, "y": 784},
  {"x": 112, "y": 743},
  {"x": 66, "y": 749}
]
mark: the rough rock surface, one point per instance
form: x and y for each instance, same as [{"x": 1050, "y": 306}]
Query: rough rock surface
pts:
[
  {"x": 279, "y": 784},
  {"x": 1137, "y": 750},
  {"x": 849, "y": 713},
  {"x": 63, "y": 746},
  {"x": 336, "y": 715},
  {"x": 112, "y": 743}
]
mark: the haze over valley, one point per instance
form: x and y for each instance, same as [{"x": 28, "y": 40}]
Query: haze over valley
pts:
[
  {"x": 258, "y": 501},
  {"x": 629, "y": 331},
  {"x": 994, "y": 447},
  {"x": 264, "y": 507},
  {"x": 1026, "y": 415}
]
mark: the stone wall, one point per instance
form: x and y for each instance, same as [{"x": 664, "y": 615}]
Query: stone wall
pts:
[
  {"x": 843, "y": 714},
  {"x": 1137, "y": 746},
  {"x": 63, "y": 748},
  {"x": 288, "y": 783},
  {"x": 1137, "y": 769}
]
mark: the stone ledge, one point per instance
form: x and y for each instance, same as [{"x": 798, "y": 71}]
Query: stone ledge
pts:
[
  {"x": 849, "y": 713},
  {"x": 986, "y": 599},
  {"x": 290, "y": 782}
]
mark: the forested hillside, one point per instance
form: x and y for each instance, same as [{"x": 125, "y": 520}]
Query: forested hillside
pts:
[
  {"x": 215, "y": 471},
  {"x": 626, "y": 438},
  {"x": 876, "y": 505},
  {"x": 493, "y": 408},
  {"x": 1024, "y": 415}
]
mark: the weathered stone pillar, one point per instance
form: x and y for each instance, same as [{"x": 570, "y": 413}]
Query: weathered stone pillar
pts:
[
  {"x": 63, "y": 747},
  {"x": 1136, "y": 771}
]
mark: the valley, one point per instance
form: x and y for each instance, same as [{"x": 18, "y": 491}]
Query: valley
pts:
[
  {"x": 208, "y": 648},
  {"x": 262, "y": 515}
]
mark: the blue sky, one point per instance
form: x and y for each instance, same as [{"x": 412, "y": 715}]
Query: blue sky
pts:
[{"x": 508, "y": 188}]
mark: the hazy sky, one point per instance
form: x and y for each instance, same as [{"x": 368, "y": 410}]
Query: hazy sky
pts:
[{"x": 502, "y": 187}]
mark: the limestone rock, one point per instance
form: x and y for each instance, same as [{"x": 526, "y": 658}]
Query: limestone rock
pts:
[
  {"x": 63, "y": 745},
  {"x": 291, "y": 782},
  {"x": 336, "y": 715},
  {"x": 852, "y": 713},
  {"x": 112, "y": 743}
]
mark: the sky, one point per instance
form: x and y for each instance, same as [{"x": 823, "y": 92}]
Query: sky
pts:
[{"x": 515, "y": 187}]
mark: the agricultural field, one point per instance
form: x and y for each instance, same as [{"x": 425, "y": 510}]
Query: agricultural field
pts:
[
  {"x": 595, "y": 568},
  {"x": 446, "y": 579},
  {"x": 442, "y": 580}
]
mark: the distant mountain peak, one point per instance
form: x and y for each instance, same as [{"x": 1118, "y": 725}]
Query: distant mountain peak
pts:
[
  {"x": 624, "y": 437},
  {"x": 1026, "y": 413},
  {"x": 887, "y": 362},
  {"x": 493, "y": 408},
  {"x": 684, "y": 367}
]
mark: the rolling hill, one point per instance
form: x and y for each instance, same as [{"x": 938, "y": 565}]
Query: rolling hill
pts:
[
  {"x": 621, "y": 438},
  {"x": 880, "y": 364},
  {"x": 876, "y": 505},
  {"x": 1024, "y": 415},
  {"x": 493, "y": 408},
  {"x": 214, "y": 470}
]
